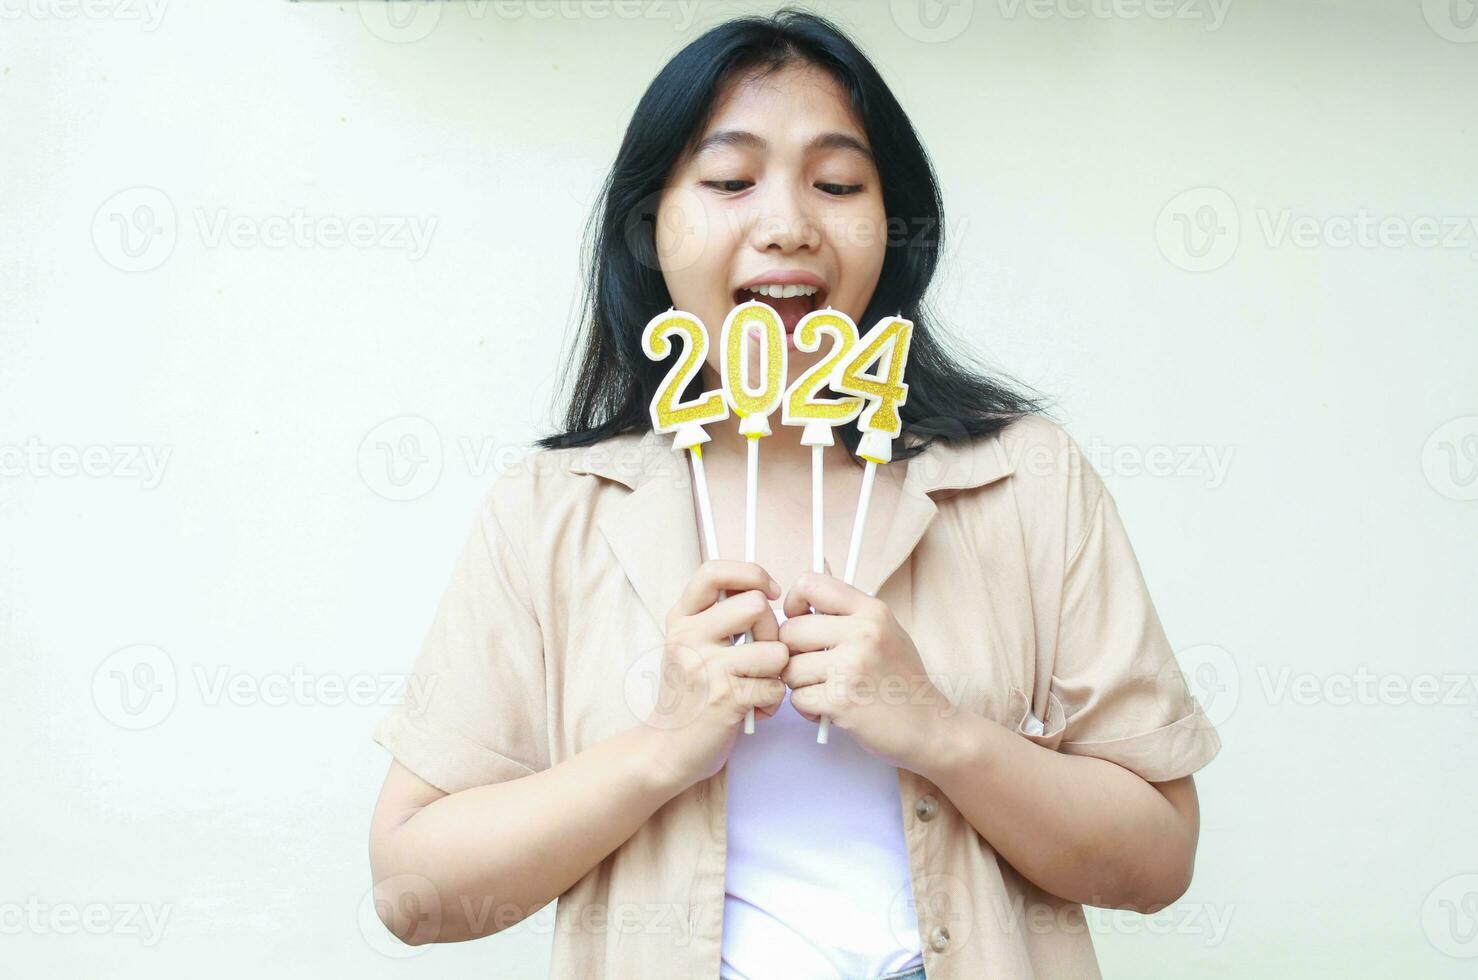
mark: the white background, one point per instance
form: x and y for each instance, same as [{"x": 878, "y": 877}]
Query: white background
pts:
[{"x": 1288, "y": 419}]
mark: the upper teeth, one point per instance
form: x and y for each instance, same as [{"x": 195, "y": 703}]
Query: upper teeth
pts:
[{"x": 781, "y": 292}]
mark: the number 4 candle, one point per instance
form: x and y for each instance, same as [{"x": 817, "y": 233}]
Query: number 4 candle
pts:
[
  {"x": 820, "y": 415},
  {"x": 879, "y": 424}
]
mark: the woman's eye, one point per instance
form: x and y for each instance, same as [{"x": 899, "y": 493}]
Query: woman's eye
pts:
[
  {"x": 730, "y": 186},
  {"x": 840, "y": 190}
]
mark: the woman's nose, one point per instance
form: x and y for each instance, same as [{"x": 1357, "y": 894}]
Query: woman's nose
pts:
[{"x": 783, "y": 222}]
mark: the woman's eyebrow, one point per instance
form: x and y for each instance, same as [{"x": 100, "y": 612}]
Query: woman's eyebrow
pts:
[{"x": 744, "y": 138}]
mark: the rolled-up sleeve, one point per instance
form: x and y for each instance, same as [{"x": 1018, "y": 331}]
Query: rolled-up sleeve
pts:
[
  {"x": 474, "y": 710},
  {"x": 1123, "y": 697}
]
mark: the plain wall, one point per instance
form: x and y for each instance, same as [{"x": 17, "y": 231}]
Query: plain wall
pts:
[{"x": 1236, "y": 244}]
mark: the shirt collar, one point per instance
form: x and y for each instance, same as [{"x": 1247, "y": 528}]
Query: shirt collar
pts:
[{"x": 651, "y": 530}]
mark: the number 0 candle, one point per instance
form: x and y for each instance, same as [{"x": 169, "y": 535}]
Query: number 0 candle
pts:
[{"x": 752, "y": 402}]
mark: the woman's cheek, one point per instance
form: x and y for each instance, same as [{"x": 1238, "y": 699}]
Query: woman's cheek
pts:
[{"x": 683, "y": 234}]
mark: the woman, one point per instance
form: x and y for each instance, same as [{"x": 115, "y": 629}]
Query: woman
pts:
[{"x": 1011, "y": 737}]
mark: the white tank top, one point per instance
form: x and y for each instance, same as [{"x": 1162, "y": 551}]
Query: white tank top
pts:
[{"x": 817, "y": 882}]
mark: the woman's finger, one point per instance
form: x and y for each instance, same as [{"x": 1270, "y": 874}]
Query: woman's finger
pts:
[
  {"x": 762, "y": 658},
  {"x": 812, "y": 631},
  {"x": 747, "y": 612},
  {"x": 760, "y": 693},
  {"x": 826, "y": 595},
  {"x": 805, "y": 669},
  {"x": 810, "y": 702},
  {"x": 719, "y": 575}
]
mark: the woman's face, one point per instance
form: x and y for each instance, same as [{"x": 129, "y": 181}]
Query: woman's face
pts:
[{"x": 781, "y": 191}]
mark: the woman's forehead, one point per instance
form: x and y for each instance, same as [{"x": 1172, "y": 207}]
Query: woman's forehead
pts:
[{"x": 795, "y": 93}]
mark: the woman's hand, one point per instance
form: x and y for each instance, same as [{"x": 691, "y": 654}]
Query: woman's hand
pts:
[
  {"x": 707, "y": 685},
  {"x": 852, "y": 662}
]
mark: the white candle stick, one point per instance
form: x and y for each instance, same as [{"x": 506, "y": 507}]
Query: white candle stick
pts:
[
  {"x": 751, "y": 495},
  {"x": 818, "y": 507},
  {"x": 859, "y": 522},
  {"x": 879, "y": 423},
  {"x": 820, "y": 415},
  {"x": 705, "y": 505},
  {"x": 686, "y": 419},
  {"x": 753, "y": 405}
]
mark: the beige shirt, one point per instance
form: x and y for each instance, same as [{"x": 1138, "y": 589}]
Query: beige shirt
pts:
[{"x": 1006, "y": 562}]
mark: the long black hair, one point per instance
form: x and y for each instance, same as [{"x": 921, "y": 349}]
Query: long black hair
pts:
[{"x": 949, "y": 393}]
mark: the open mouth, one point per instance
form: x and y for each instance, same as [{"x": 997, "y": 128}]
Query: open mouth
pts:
[{"x": 790, "y": 301}]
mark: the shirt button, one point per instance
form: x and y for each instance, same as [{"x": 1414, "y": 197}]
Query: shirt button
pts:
[
  {"x": 939, "y": 939},
  {"x": 926, "y": 808}
]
